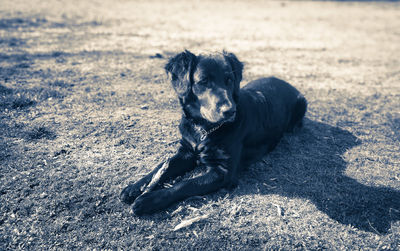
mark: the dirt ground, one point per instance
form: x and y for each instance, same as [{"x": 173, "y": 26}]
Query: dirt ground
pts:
[{"x": 85, "y": 109}]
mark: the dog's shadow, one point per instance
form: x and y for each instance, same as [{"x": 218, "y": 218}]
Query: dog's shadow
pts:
[{"x": 309, "y": 164}]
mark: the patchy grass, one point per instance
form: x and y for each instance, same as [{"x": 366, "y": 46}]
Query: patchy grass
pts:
[{"x": 85, "y": 109}]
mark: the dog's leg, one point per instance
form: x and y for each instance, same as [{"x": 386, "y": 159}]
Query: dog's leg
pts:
[
  {"x": 151, "y": 202},
  {"x": 179, "y": 164},
  {"x": 222, "y": 168},
  {"x": 132, "y": 191}
]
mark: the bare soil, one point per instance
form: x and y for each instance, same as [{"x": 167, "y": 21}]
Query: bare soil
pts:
[{"x": 85, "y": 109}]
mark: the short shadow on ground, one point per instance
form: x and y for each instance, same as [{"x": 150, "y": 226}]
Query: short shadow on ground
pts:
[{"x": 309, "y": 164}]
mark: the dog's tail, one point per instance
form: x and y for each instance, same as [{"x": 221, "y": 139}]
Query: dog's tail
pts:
[{"x": 299, "y": 111}]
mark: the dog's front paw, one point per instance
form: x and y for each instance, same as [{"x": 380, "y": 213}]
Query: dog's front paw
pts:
[
  {"x": 130, "y": 193},
  {"x": 150, "y": 202}
]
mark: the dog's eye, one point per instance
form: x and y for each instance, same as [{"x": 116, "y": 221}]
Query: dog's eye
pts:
[{"x": 203, "y": 82}]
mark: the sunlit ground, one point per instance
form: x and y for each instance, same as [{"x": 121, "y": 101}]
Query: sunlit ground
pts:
[{"x": 85, "y": 108}]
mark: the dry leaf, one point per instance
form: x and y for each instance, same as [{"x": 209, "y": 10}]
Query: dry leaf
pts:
[{"x": 189, "y": 222}]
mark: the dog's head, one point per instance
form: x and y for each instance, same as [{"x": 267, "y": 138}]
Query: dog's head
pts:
[{"x": 207, "y": 85}]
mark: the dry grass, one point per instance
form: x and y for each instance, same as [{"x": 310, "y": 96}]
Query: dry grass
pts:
[{"x": 85, "y": 109}]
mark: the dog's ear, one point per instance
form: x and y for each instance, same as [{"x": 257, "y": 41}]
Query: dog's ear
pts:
[
  {"x": 179, "y": 70},
  {"x": 237, "y": 66}
]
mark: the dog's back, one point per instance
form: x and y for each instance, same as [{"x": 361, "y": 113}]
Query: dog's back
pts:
[
  {"x": 269, "y": 107},
  {"x": 283, "y": 105}
]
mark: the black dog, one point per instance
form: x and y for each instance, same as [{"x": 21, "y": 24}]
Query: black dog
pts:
[{"x": 224, "y": 128}]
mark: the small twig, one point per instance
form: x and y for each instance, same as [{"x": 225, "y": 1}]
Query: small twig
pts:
[
  {"x": 279, "y": 210},
  {"x": 178, "y": 210},
  {"x": 186, "y": 223},
  {"x": 268, "y": 186},
  {"x": 376, "y": 231},
  {"x": 173, "y": 142},
  {"x": 392, "y": 209}
]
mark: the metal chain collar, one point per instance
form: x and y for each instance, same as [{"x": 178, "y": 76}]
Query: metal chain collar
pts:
[{"x": 205, "y": 133}]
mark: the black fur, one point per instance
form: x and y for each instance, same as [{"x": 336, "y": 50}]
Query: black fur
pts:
[{"x": 262, "y": 111}]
